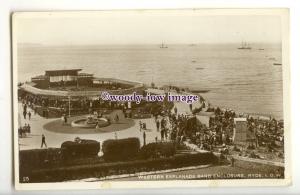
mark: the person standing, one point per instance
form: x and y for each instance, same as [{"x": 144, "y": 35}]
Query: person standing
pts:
[
  {"x": 162, "y": 133},
  {"x": 35, "y": 110},
  {"x": 24, "y": 114},
  {"x": 144, "y": 136},
  {"x": 66, "y": 119},
  {"x": 28, "y": 128},
  {"x": 29, "y": 115},
  {"x": 43, "y": 141},
  {"x": 166, "y": 134},
  {"x": 25, "y": 108},
  {"x": 141, "y": 125},
  {"x": 232, "y": 161},
  {"x": 117, "y": 118},
  {"x": 157, "y": 125}
]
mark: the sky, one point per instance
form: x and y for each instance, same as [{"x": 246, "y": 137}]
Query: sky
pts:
[{"x": 138, "y": 27}]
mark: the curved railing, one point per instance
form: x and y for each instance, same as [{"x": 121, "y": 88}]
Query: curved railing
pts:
[{"x": 49, "y": 92}]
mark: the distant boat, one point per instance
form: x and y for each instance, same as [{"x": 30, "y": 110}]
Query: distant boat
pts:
[
  {"x": 277, "y": 64},
  {"x": 163, "y": 46},
  {"x": 199, "y": 68},
  {"x": 245, "y": 45},
  {"x": 194, "y": 61},
  {"x": 260, "y": 48}
]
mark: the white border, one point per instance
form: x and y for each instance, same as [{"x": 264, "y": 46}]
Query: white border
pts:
[{"x": 283, "y": 13}]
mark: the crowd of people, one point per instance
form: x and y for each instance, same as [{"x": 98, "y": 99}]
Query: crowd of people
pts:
[
  {"x": 46, "y": 106},
  {"x": 178, "y": 127},
  {"x": 218, "y": 135},
  {"x": 24, "y": 130}
]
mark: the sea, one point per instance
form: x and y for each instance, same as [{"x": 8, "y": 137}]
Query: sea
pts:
[{"x": 239, "y": 79}]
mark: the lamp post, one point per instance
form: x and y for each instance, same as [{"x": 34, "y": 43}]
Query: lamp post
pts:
[{"x": 69, "y": 106}]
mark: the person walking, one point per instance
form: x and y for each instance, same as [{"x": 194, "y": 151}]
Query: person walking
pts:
[
  {"x": 43, "y": 141},
  {"x": 29, "y": 115}
]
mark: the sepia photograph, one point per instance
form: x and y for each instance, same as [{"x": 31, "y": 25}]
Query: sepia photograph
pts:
[{"x": 151, "y": 98}]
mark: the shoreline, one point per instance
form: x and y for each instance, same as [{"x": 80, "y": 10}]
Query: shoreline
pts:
[{"x": 244, "y": 114}]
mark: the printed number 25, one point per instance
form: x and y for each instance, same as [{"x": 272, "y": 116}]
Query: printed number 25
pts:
[{"x": 25, "y": 179}]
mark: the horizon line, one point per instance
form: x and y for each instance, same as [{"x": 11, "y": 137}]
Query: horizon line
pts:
[{"x": 194, "y": 43}]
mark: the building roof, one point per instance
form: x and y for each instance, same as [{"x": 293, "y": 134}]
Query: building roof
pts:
[{"x": 61, "y": 72}]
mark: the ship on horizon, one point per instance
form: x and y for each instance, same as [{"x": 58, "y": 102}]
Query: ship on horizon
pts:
[
  {"x": 163, "y": 46},
  {"x": 245, "y": 45}
]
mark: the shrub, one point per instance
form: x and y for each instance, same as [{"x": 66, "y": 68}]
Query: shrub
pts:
[
  {"x": 116, "y": 168},
  {"x": 37, "y": 159},
  {"x": 81, "y": 148},
  {"x": 155, "y": 150},
  {"x": 120, "y": 149}
]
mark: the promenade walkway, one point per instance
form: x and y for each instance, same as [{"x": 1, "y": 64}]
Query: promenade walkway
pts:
[{"x": 55, "y": 139}]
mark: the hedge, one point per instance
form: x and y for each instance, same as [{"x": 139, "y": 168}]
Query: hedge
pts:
[
  {"x": 120, "y": 149},
  {"x": 117, "y": 168},
  {"x": 38, "y": 159},
  {"x": 155, "y": 150},
  {"x": 83, "y": 148}
]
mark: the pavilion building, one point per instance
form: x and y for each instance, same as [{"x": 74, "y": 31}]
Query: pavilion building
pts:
[{"x": 67, "y": 91}]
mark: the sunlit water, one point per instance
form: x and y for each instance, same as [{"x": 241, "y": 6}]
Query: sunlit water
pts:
[{"x": 243, "y": 80}]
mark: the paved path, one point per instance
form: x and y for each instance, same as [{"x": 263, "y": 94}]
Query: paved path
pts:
[{"x": 55, "y": 139}]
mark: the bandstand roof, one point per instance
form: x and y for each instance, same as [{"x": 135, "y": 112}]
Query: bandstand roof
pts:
[{"x": 61, "y": 72}]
